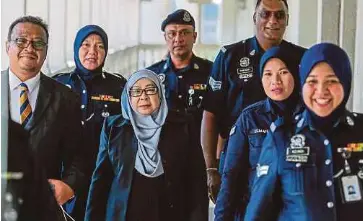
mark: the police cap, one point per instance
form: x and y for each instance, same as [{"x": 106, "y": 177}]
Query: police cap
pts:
[{"x": 180, "y": 16}]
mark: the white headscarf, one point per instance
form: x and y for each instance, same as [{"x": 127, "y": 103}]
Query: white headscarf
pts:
[{"x": 147, "y": 128}]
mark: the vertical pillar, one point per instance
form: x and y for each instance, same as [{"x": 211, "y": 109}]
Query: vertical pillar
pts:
[
  {"x": 328, "y": 21},
  {"x": 358, "y": 64}
]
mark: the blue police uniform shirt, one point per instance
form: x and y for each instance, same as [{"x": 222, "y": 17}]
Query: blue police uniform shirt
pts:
[
  {"x": 184, "y": 88},
  {"x": 242, "y": 155},
  {"x": 100, "y": 98},
  {"x": 234, "y": 82},
  {"x": 309, "y": 190}
]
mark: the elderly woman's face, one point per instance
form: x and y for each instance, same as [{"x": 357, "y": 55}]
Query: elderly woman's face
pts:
[
  {"x": 144, "y": 96},
  {"x": 322, "y": 91},
  {"x": 92, "y": 52},
  {"x": 277, "y": 80}
]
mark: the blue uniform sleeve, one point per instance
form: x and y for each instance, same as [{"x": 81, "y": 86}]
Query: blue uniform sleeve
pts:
[
  {"x": 217, "y": 87},
  {"x": 262, "y": 202},
  {"x": 101, "y": 181},
  {"x": 235, "y": 174}
]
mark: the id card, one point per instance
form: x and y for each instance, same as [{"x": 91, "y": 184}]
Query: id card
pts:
[{"x": 351, "y": 189}]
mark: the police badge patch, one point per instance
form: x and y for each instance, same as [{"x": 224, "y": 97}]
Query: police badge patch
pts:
[
  {"x": 186, "y": 17},
  {"x": 244, "y": 62},
  {"x": 215, "y": 85},
  {"x": 161, "y": 77},
  {"x": 297, "y": 152}
]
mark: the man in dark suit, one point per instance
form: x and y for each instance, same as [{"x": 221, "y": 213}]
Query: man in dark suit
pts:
[{"x": 49, "y": 111}]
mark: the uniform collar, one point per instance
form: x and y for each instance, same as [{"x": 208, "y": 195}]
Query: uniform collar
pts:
[
  {"x": 305, "y": 121},
  {"x": 170, "y": 66},
  {"x": 76, "y": 76}
]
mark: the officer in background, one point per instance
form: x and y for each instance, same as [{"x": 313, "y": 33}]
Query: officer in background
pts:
[
  {"x": 183, "y": 74},
  {"x": 100, "y": 94},
  {"x": 234, "y": 83}
]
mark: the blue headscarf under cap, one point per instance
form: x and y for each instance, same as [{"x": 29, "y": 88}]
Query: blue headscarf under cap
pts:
[
  {"x": 338, "y": 60},
  {"x": 82, "y": 34},
  {"x": 147, "y": 128},
  {"x": 287, "y": 106}
]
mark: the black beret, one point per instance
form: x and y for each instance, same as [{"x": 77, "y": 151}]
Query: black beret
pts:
[{"x": 180, "y": 16}]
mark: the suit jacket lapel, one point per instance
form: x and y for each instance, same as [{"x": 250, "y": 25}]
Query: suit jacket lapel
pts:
[{"x": 43, "y": 101}]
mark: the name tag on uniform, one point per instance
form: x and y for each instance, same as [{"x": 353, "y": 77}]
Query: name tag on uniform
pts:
[
  {"x": 297, "y": 152},
  {"x": 350, "y": 189}
]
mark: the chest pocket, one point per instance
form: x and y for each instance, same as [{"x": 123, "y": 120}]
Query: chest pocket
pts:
[
  {"x": 102, "y": 108},
  {"x": 255, "y": 143},
  {"x": 296, "y": 178}
]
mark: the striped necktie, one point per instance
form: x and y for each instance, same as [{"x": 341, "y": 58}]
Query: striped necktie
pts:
[{"x": 25, "y": 108}]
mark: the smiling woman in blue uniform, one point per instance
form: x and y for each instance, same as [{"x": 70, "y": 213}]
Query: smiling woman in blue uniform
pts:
[
  {"x": 150, "y": 165},
  {"x": 280, "y": 82},
  {"x": 317, "y": 170},
  {"x": 100, "y": 94}
]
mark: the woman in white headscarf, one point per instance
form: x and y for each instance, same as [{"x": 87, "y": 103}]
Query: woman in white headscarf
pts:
[{"x": 150, "y": 164}]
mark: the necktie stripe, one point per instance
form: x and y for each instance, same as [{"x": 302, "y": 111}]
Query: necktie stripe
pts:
[{"x": 25, "y": 108}]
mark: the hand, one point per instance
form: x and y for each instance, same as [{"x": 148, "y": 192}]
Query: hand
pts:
[
  {"x": 62, "y": 192},
  {"x": 214, "y": 184}
]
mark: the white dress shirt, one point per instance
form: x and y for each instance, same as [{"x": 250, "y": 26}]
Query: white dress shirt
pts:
[{"x": 33, "y": 87}]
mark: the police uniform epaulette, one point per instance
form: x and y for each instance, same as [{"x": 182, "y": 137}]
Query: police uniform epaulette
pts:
[
  {"x": 60, "y": 75},
  {"x": 254, "y": 106},
  {"x": 232, "y": 46},
  {"x": 115, "y": 74}
]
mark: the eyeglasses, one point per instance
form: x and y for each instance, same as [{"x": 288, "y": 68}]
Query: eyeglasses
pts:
[
  {"x": 24, "y": 43},
  {"x": 148, "y": 91},
  {"x": 172, "y": 34},
  {"x": 279, "y": 15}
]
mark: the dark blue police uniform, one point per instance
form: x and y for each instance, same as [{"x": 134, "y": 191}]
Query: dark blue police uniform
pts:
[
  {"x": 234, "y": 83},
  {"x": 312, "y": 190},
  {"x": 100, "y": 98},
  {"x": 184, "y": 88}
]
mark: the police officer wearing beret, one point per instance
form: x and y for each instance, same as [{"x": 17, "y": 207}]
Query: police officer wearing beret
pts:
[
  {"x": 100, "y": 93},
  {"x": 234, "y": 84},
  {"x": 317, "y": 168},
  {"x": 183, "y": 74}
]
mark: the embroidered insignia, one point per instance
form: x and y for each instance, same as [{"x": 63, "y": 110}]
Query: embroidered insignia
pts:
[
  {"x": 245, "y": 73},
  {"x": 161, "y": 77},
  {"x": 215, "y": 85},
  {"x": 187, "y": 17},
  {"x": 350, "y": 121},
  {"x": 253, "y": 52},
  {"x": 258, "y": 131},
  {"x": 354, "y": 147},
  {"x": 233, "y": 130},
  {"x": 105, "y": 114},
  {"x": 244, "y": 62},
  {"x": 196, "y": 66},
  {"x": 262, "y": 170},
  {"x": 223, "y": 49},
  {"x": 103, "y": 97},
  {"x": 198, "y": 86},
  {"x": 297, "y": 152}
]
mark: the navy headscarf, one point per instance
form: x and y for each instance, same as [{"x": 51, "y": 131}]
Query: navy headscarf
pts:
[
  {"x": 286, "y": 107},
  {"x": 82, "y": 34},
  {"x": 338, "y": 60}
]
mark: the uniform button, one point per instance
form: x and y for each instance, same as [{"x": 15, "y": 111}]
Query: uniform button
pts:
[
  {"x": 328, "y": 183},
  {"x": 327, "y": 162},
  {"x": 171, "y": 205},
  {"x": 84, "y": 91},
  {"x": 105, "y": 105},
  {"x": 330, "y": 204},
  {"x": 298, "y": 165},
  {"x": 82, "y": 122},
  {"x": 180, "y": 76},
  {"x": 297, "y": 117},
  {"x": 82, "y": 106},
  {"x": 326, "y": 142},
  {"x": 180, "y": 96}
]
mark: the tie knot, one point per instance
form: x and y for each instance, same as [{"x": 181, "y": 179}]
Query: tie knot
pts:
[{"x": 23, "y": 87}]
